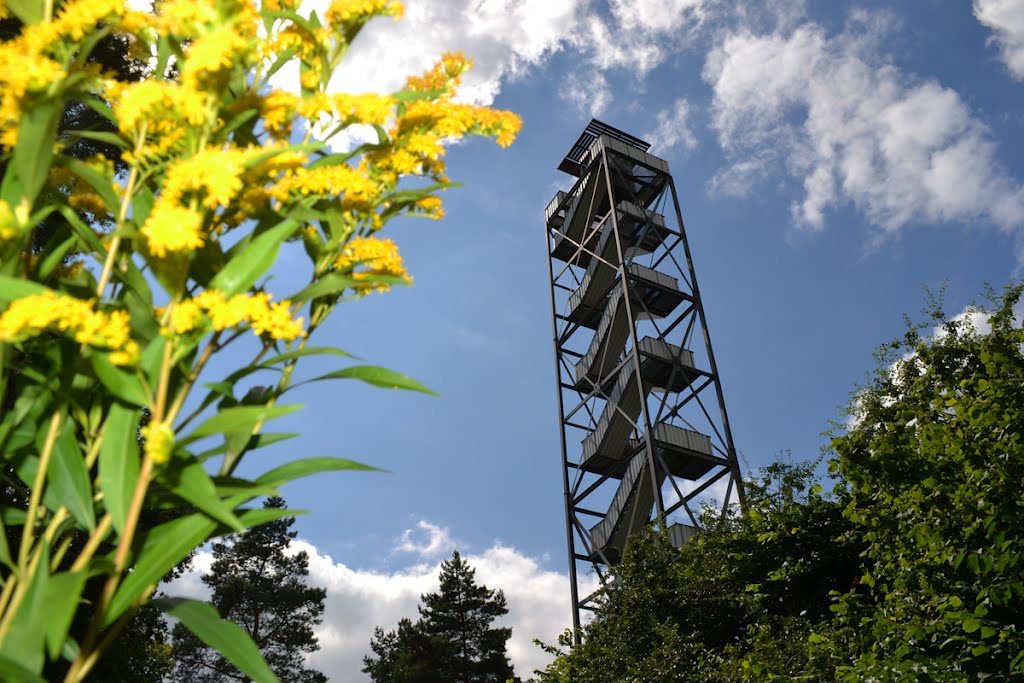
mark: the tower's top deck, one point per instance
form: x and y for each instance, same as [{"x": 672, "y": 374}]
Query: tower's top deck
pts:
[{"x": 572, "y": 163}]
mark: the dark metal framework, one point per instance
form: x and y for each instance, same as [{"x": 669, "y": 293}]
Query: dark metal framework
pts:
[{"x": 645, "y": 432}]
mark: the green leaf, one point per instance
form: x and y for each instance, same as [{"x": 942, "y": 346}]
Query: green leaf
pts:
[
  {"x": 255, "y": 442},
  {"x": 239, "y": 419},
  {"x": 193, "y": 484},
  {"x": 226, "y": 637},
  {"x": 332, "y": 283},
  {"x": 5, "y": 551},
  {"x": 121, "y": 384},
  {"x": 119, "y": 462},
  {"x": 308, "y": 351},
  {"x": 103, "y": 185},
  {"x": 101, "y": 136},
  {"x": 55, "y": 256},
  {"x": 68, "y": 478},
  {"x": 253, "y": 259},
  {"x": 971, "y": 624},
  {"x": 165, "y": 546},
  {"x": 33, "y": 152},
  {"x": 25, "y": 641},
  {"x": 152, "y": 358},
  {"x": 10, "y": 670},
  {"x": 297, "y": 469},
  {"x": 60, "y": 603},
  {"x": 14, "y": 288},
  {"x": 29, "y": 11},
  {"x": 142, "y": 204},
  {"x": 378, "y": 377}
]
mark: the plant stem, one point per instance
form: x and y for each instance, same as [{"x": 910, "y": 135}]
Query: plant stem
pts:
[
  {"x": 97, "y": 536},
  {"x": 28, "y": 532},
  {"x": 122, "y": 215}
]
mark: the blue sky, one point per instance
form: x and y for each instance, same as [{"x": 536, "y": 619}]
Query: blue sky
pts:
[{"x": 832, "y": 160}]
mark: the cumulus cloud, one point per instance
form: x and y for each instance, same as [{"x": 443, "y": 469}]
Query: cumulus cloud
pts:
[
  {"x": 507, "y": 38},
  {"x": 438, "y": 541},
  {"x": 503, "y": 37},
  {"x": 854, "y": 130},
  {"x": 673, "y": 128},
  {"x": 359, "y": 600},
  {"x": 637, "y": 35},
  {"x": 1006, "y": 20}
]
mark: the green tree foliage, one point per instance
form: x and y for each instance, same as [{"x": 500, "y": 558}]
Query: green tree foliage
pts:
[
  {"x": 750, "y": 583},
  {"x": 452, "y": 642},
  {"x": 264, "y": 590},
  {"x": 935, "y": 465},
  {"x": 911, "y": 570}
]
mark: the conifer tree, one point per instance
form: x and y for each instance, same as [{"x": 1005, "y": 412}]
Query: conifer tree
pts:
[
  {"x": 453, "y": 640},
  {"x": 263, "y": 590}
]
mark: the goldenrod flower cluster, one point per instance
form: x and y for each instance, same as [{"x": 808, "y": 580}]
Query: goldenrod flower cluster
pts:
[
  {"x": 163, "y": 105},
  {"x": 350, "y": 184},
  {"x": 171, "y": 228},
  {"x": 445, "y": 75},
  {"x": 159, "y": 438},
  {"x": 36, "y": 314},
  {"x": 265, "y": 318},
  {"x": 345, "y": 11},
  {"x": 367, "y": 258},
  {"x": 30, "y": 63}
]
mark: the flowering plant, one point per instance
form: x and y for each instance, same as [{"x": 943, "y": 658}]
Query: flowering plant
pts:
[{"x": 123, "y": 275}]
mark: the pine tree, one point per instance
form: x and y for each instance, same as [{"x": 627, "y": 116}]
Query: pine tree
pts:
[
  {"x": 453, "y": 641},
  {"x": 263, "y": 590}
]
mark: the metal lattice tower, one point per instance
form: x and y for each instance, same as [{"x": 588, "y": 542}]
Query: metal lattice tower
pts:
[{"x": 644, "y": 426}]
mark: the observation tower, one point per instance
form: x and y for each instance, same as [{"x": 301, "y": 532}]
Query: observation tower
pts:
[{"x": 644, "y": 428}]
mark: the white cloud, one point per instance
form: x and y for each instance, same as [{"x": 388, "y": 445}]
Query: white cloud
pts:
[
  {"x": 658, "y": 15},
  {"x": 587, "y": 92},
  {"x": 854, "y": 130},
  {"x": 359, "y": 600},
  {"x": 1006, "y": 19},
  {"x": 438, "y": 541},
  {"x": 503, "y": 37},
  {"x": 673, "y": 129},
  {"x": 638, "y": 35}
]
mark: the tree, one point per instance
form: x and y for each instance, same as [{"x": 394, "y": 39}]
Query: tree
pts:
[
  {"x": 741, "y": 597},
  {"x": 453, "y": 640},
  {"x": 262, "y": 589},
  {"x": 934, "y": 460},
  {"x": 405, "y": 655}
]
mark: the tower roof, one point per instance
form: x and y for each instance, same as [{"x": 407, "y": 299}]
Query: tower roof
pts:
[{"x": 572, "y": 163}]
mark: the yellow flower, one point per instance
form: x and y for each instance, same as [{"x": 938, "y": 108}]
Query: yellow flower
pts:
[
  {"x": 278, "y": 109},
  {"x": 445, "y": 75},
  {"x": 340, "y": 180},
  {"x": 172, "y": 228},
  {"x": 342, "y": 11},
  {"x": 33, "y": 315},
  {"x": 159, "y": 442},
  {"x": 217, "y": 173},
  {"x": 84, "y": 200},
  {"x": 80, "y": 17},
  {"x": 373, "y": 257},
  {"x": 432, "y": 207},
  {"x": 273, "y": 320},
  {"x": 165, "y": 105},
  {"x": 213, "y": 54}
]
